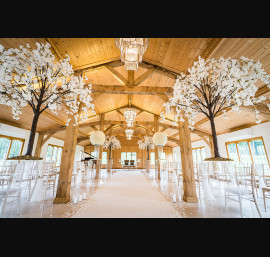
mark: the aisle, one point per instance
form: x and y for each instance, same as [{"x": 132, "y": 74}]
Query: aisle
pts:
[{"x": 127, "y": 195}]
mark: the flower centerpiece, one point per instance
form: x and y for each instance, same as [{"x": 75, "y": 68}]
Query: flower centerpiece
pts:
[
  {"x": 147, "y": 143},
  {"x": 111, "y": 143},
  {"x": 34, "y": 78},
  {"x": 214, "y": 86}
]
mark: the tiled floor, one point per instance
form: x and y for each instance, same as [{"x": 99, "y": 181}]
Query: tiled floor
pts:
[{"x": 205, "y": 208}]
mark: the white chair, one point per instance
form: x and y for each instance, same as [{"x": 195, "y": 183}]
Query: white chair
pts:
[
  {"x": 49, "y": 176},
  {"x": 12, "y": 191},
  {"x": 234, "y": 189},
  {"x": 205, "y": 181}
]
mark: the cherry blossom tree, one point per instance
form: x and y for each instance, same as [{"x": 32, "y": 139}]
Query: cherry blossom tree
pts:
[
  {"x": 35, "y": 78},
  {"x": 111, "y": 143},
  {"x": 214, "y": 85},
  {"x": 147, "y": 143}
]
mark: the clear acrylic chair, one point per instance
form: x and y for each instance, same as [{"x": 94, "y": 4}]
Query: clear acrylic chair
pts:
[
  {"x": 236, "y": 191},
  {"x": 12, "y": 191},
  {"x": 204, "y": 175},
  {"x": 6, "y": 169},
  {"x": 49, "y": 176}
]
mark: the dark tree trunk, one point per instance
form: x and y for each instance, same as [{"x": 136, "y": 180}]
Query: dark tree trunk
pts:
[
  {"x": 110, "y": 152},
  {"x": 147, "y": 150},
  {"x": 214, "y": 134},
  {"x": 32, "y": 134}
]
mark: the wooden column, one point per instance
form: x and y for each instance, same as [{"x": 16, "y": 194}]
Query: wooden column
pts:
[
  {"x": 187, "y": 163},
  {"x": 67, "y": 161},
  {"x": 156, "y": 147},
  {"x": 101, "y": 128},
  {"x": 39, "y": 145}
]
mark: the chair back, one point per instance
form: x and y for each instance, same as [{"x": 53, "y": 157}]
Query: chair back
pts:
[
  {"x": 132, "y": 162},
  {"x": 126, "y": 162},
  {"x": 17, "y": 176},
  {"x": 7, "y": 167}
]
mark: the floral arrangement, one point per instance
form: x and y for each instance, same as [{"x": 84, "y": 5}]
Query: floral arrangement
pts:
[
  {"x": 160, "y": 138},
  {"x": 97, "y": 138},
  {"x": 112, "y": 143},
  {"x": 147, "y": 143},
  {"x": 34, "y": 78},
  {"x": 212, "y": 86}
]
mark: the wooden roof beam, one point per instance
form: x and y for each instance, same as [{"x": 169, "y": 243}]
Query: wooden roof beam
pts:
[{"x": 132, "y": 90}]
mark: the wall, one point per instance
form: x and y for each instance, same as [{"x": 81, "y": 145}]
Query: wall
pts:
[{"x": 261, "y": 130}]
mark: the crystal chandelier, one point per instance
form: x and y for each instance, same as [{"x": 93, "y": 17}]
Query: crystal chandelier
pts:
[
  {"x": 132, "y": 50},
  {"x": 129, "y": 133},
  {"x": 130, "y": 115}
]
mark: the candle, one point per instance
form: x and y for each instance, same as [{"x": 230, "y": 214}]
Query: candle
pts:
[
  {"x": 174, "y": 198},
  {"x": 84, "y": 196},
  {"x": 75, "y": 199}
]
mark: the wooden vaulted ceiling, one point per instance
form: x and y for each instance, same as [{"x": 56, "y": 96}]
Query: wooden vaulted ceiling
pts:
[{"x": 99, "y": 60}]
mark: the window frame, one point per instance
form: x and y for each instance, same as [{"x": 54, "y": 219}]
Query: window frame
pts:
[
  {"x": 248, "y": 140},
  {"x": 196, "y": 148},
  {"x": 58, "y": 146},
  {"x": 10, "y": 144}
]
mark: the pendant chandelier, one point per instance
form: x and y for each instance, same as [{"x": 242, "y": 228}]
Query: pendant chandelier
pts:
[
  {"x": 130, "y": 115},
  {"x": 129, "y": 133},
  {"x": 132, "y": 50}
]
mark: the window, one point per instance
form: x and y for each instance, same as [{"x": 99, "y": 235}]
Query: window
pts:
[
  {"x": 94, "y": 155},
  {"x": 54, "y": 153},
  {"x": 10, "y": 147},
  {"x": 128, "y": 156},
  {"x": 198, "y": 155},
  {"x": 152, "y": 158},
  {"x": 104, "y": 158},
  {"x": 249, "y": 151},
  {"x": 162, "y": 156}
]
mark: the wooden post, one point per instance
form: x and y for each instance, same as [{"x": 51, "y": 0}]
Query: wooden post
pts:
[
  {"x": 157, "y": 161},
  {"x": 39, "y": 145},
  {"x": 101, "y": 128},
  {"x": 187, "y": 163},
  {"x": 67, "y": 161}
]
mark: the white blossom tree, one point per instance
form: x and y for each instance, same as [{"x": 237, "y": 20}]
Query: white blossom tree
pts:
[
  {"x": 111, "y": 143},
  {"x": 211, "y": 86},
  {"x": 147, "y": 143},
  {"x": 35, "y": 78}
]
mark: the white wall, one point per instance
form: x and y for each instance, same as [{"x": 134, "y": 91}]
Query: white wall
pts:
[
  {"x": 261, "y": 130},
  {"x": 8, "y": 130}
]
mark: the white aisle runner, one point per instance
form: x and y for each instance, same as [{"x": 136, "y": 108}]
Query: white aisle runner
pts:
[{"x": 127, "y": 195}]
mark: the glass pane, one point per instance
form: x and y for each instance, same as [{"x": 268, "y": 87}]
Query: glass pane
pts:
[
  {"x": 152, "y": 158},
  {"x": 15, "y": 148},
  {"x": 94, "y": 155},
  {"x": 134, "y": 156},
  {"x": 203, "y": 153},
  {"x": 123, "y": 156},
  {"x": 162, "y": 156},
  {"x": 259, "y": 155},
  {"x": 244, "y": 153},
  {"x": 194, "y": 156},
  {"x": 59, "y": 154},
  {"x": 4, "y": 145},
  {"x": 128, "y": 156},
  {"x": 104, "y": 158},
  {"x": 49, "y": 153},
  {"x": 232, "y": 152},
  {"x": 54, "y": 155},
  {"x": 199, "y": 158}
]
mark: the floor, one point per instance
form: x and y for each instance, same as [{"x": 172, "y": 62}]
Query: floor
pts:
[{"x": 167, "y": 190}]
